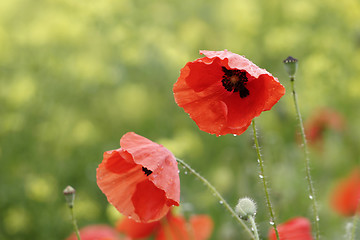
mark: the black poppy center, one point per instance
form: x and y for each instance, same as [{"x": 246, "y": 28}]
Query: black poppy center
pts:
[
  {"x": 146, "y": 171},
  {"x": 235, "y": 81}
]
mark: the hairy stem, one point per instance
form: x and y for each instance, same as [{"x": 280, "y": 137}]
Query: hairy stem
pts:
[
  {"x": 76, "y": 229},
  {"x": 218, "y": 195},
  {"x": 254, "y": 227},
  {"x": 307, "y": 161},
  {"x": 355, "y": 221},
  {"x": 263, "y": 179}
]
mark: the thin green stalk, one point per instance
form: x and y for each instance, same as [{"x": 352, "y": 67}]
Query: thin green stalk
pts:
[
  {"x": 307, "y": 161},
  {"x": 354, "y": 223},
  {"x": 217, "y": 194},
  {"x": 263, "y": 179},
  {"x": 254, "y": 227},
  {"x": 76, "y": 229}
]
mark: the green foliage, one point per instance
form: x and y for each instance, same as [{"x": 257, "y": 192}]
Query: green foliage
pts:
[{"x": 76, "y": 75}]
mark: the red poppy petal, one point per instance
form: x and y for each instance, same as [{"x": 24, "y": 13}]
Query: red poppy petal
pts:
[
  {"x": 174, "y": 228},
  {"x": 96, "y": 232},
  {"x": 274, "y": 90},
  {"x": 251, "y": 106},
  {"x": 295, "y": 229},
  {"x": 236, "y": 61},
  {"x": 202, "y": 73},
  {"x": 135, "y": 229},
  {"x": 119, "y": 161},
  {"x": 149, "y": 201},
  {"x": 202, "y": 227},
  {"x": 119, "y": 187},
  {"x": 346, "y": 196},
  {"x": 159, "y": 160}
]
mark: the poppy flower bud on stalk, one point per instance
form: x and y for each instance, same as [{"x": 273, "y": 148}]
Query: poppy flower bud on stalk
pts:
[
  {"x": 246, "y": 207},
  {"x": 69, "y": 193},
  {"x": 291, "y": 65}
]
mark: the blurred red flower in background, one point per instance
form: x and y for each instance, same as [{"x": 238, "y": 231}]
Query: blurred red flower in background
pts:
[
  {"x": 345, "y": 198},
  {"x": 298, "y": 228},
  {"x": 223, "y": 91},
  {"x": 96, "y": 232},
  {"x": 321, "y": 121},
  {"x": 140, "y": 179},
  {"x": 170, "y": 227}
]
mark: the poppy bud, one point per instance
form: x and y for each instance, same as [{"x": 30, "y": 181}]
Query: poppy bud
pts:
[
  {"x": 246, "y": 207},
  {"x": 69, "y": 193},
  {"x": 291, "y": 65}
]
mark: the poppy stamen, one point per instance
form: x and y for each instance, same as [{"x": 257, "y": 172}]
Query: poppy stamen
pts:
[
  {"x": 146, "y": 171},
  {"x": 235, "y": 81}
]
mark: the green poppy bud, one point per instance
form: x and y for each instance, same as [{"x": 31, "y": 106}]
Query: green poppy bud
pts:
[
  {"x": 291, "y": 65},
  {"x": 69, "y": 193},
  {"x": 246, "y": 207}
]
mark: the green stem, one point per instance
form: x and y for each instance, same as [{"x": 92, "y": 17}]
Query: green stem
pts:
[
  {"x": 253, "y": 225},
  {"x": 307, "y": 161},
  {"x": 353, "y": 232},
  {"x": 76, "y": 229},
  {"x": 263, "y": 179},
  {"x": 354, "y": 223},
  {"x": 217, "y": 194}
]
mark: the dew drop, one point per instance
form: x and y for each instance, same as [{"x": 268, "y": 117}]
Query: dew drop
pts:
[
  {"x": 271, "y": 223},
  {"x": 258, "y": 160},
  {"x": 221, "y": 202},
  {"x": 185, "y": 172},
  {"x": 261, "y": 176},
  {"x": 317, "y": 218},
  {"x": 234, "y": 135},
  {"x": 252, "y": 229},
  {"x": 311, "y": 197},
  {"x": 178, "y": 171}
]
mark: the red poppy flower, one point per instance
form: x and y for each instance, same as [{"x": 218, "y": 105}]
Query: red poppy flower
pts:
[
  {"x": 176, "y": 228},
  {"x": 346, "y": 195},
  {"x": 96, "y": 232},
  {"x": 140, "y": 179},
  {"x": 298, "y": 228},
  {"x": 223, "y": 91},
  {"x": 321, "y": 121},
  {"x": 170, "y": 227}
]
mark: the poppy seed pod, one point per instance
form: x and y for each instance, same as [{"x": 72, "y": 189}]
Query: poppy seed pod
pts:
[
  {"x": 69, "y": 193},
  {"x": 291, "y": 65}
]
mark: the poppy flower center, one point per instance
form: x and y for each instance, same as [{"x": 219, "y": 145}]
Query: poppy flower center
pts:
[
  {"x": 235, "y": 81},
  {"x": 146, "y": 171}
]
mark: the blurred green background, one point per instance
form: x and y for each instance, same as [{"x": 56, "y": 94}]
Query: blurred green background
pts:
[{"x": 76, "y": 75}]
